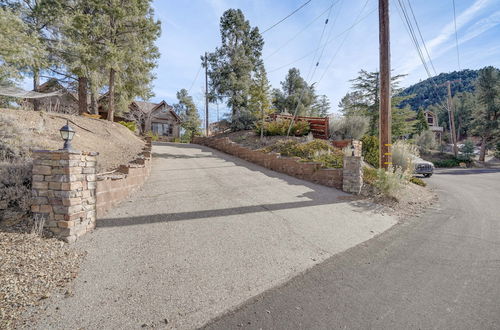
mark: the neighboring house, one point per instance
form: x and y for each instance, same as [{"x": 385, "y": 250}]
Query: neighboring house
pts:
[
  {"x": 159, "y": 118},
  {"x": 67, "y": 102},
  {"x": 432, "y": 121}
]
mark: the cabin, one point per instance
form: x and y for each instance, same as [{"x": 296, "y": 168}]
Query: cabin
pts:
[
  {"x": 158, "y": 118},
  {"x": 66, "y": 102},
  {"x": 432, "y": 120}
]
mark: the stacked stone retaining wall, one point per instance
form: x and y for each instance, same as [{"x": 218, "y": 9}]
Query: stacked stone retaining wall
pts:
[{"x": 309, "y": 171}]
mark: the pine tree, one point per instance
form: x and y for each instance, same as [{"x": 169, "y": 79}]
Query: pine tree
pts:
[
  {"x": 295, "y": 96},
  {"x": 186, "y": 109},
  {"x": 487, "y": 114},
  {"x": 421, "y": 123},
  {"x": 231, "y": 65},
  {"x": 321, "y": 106},
  {"x": 127, "y": 31}
]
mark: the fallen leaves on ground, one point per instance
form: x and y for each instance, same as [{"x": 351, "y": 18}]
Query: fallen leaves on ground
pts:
[{"x": 31, "y": 268}]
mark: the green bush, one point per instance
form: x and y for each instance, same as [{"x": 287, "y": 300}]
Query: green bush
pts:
[
  {"x": 454, "y": 162},
  {"x": 153, "y": 136},
  {"x": 425, "y": 141},
  {"x": 317, "y": 150},
  {"x": 390, "y": 182},
  {"x": 370, "y": 150},
  {"x": 349, "y": 127},
  {"x": 280, "y": 127},
  {"x": 467, "y": 151},
  {"x": 369, "y": 175},
  {"x": 129, "y": 124},
  {"x": 418, "y": 181}
]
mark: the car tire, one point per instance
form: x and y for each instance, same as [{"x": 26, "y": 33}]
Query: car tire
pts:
[{"x": 427, "y": 175}]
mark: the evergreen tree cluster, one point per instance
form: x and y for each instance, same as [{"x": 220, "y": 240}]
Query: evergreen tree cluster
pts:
[{"x": 96, "y": 45}]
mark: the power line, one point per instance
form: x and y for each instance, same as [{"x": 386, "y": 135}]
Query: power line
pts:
[
  {"x": 195, "y": 78},
  {"x": 287, "y": 16},
  {"x": 327, "y": 42},
  {"x": 319, "y": 46},
  {"x": 300, "y": 32},
  {"x": 421, "y": 38},
  {"x": 456, "y": 37},
  {"x": 357, "y": 20}
]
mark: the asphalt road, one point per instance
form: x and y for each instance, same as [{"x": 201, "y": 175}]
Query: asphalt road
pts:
[{"x": 440, "y": 270}]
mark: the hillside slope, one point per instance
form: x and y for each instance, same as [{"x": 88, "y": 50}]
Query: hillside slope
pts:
[
  {"x": 426, "y": 94},
  {"x": 40, "y": 130}
]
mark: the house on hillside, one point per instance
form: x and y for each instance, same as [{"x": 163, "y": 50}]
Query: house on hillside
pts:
[
  {"x": 432, "y": 121},
  {"x": 67, "y": 102},
  {"x": 158, "y": 118}
]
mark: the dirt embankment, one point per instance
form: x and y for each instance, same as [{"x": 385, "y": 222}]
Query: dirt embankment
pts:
[{"x": 115, "y": 143}]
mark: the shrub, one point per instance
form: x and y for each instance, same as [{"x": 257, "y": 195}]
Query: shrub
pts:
[
  {"x": 467, "y": 151},
  {"x": 425, "y": 141},
  {"x": 497, "y": 151},
  {"x": 403, "y": 154},
  {"x": 153, "y": 136},
  {"x": 370, "y": 150},
  {"x": 390, "y": 182},
  {"x": 128, "y": 124},
  {"x": 349, "y": 127},
  {"x": 242, "y": 120},
  {"x": 453, "y": 162},
  {"x": 418, "y": 181},
  {"x": 15, "y": 186},
  {"x": 369, "y": 175},
  {"x": 280, "y": 127},
  {"x": 317, "y": 150}
]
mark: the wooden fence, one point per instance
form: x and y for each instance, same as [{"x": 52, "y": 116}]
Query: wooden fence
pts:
[{"x": 319, "y": 125}]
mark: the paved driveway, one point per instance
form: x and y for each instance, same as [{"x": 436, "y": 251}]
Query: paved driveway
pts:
[{"x": 205, "y": 233}]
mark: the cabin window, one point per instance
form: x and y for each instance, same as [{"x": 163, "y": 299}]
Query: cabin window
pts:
[
  {"x": 430, "y": 120},
  {"x": 162, "y": 129}
]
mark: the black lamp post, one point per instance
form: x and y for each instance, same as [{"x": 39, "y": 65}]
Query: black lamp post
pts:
[
  {"x": 352, "y": 148},
  {"x": 67, "y": 134}
]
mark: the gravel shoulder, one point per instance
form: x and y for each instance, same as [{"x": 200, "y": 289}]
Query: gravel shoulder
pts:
[{"x": 206, "y": 233}]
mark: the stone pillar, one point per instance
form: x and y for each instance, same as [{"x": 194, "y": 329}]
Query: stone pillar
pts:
[
  {"x": 353, "y": 174},
  {"x": 63, "y": 188}
]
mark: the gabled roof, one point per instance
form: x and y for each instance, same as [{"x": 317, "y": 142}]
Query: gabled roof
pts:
[{"x": 149, "y": 107}]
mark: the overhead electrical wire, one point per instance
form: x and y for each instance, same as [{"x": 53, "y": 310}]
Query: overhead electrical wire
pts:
[
  {"x": 357, "y": 20},
  {"x": 456, "y": 36},
  {"x": 195, "y": 79},
  {"x": 421, "y": 37},
  {"x": 287, "y": 16},
  {"x": 327, "y": 42},
  {"x": 309, "y": 75},
  {"x": 300, "y": 32},
  {"x": 409, "y": 28}
]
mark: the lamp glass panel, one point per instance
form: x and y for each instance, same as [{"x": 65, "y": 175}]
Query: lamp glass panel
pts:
[
  {"x": 71, "y": 134},
  {"x": 65, "y": 135}
]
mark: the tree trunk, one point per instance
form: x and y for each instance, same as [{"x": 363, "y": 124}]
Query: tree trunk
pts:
[
  {"x": 482, "y": 153},
  {"x": 82, "y": 95},
  {"x": 94, "y": 108},
  {"x": 36, "y": 85},
  {"x": 111, "y": 103}
]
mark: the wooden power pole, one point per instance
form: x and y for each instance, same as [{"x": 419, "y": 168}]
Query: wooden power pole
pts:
[
  {"x": 385, "y": 86},
  {"x": 206, "y": 94},
  {"x": 452, "y": 120}
]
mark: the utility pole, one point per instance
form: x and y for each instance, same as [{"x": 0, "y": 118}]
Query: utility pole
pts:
[
  {"x": 452, "y": 120},
  {"x": 385, "y": 86},
  {"x": 206, "y": 94}
]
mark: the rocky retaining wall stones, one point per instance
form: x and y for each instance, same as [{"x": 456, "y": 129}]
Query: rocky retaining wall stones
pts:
[
  {"x": 309, "y": 171},
  {"x": 63, "y": 189}
]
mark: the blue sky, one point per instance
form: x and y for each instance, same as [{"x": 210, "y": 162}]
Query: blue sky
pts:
[{"x": 189, "y": 28}]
